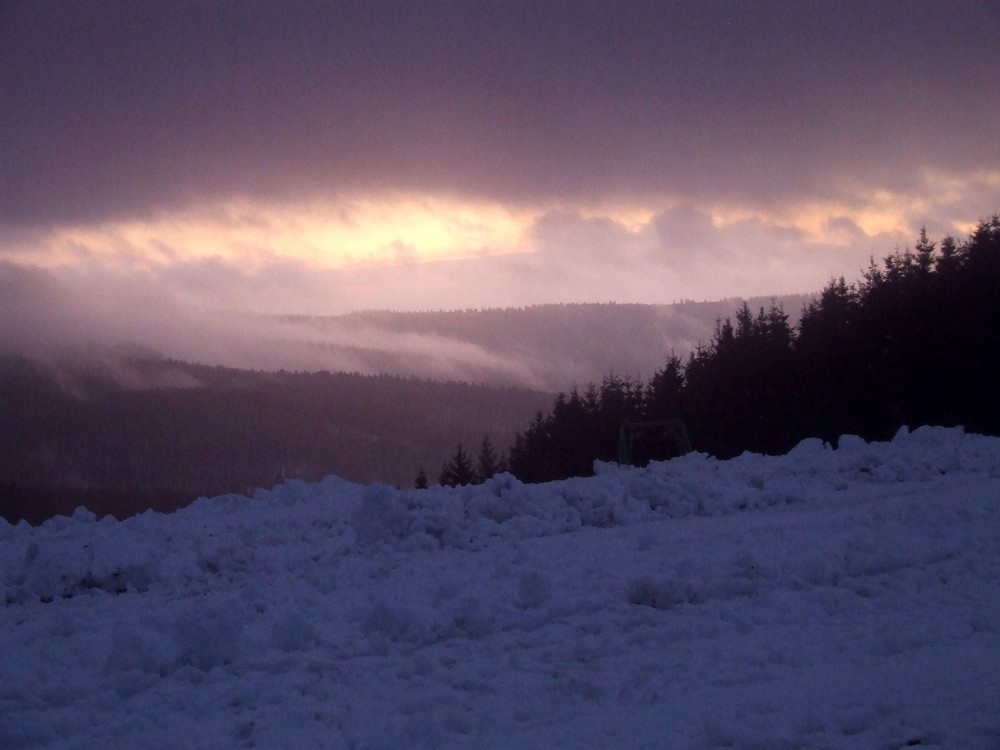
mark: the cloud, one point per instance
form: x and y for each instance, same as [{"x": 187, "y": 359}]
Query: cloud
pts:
[
  {"x": 581, "y": 239},
  {"x": 125, "y": 110},
  {"x": 208, "y": 308},
  {"x": 758, "y": 255},
  {"x": 171, "y": 171},
  {"x": 683, "y": 230},
  {"x": 90, "y": 314},
  {"x": 563, "y": 255}
]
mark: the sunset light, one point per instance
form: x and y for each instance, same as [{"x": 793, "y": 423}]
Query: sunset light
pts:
[
  {"x": 328, "y": 234},
  {"x": 499, "y": 374},
  {"x": 319, "y": 158}
]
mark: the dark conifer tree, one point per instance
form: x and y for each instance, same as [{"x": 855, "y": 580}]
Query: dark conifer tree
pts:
[
  {"x": 487, "y": 464},
  {"x": 832, "y": 366},
  {"x": 925, "y": 252},
  {"x": 947, "y": 259},
  {"x": 458, "y": 470},
  {"x": 664, "y": 397}
]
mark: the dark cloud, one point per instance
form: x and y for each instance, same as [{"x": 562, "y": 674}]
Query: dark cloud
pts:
[
  {"x": 683, "y": 228},
  {"x": 581, "y": 240},
  {"x": 120, "y": 109}
]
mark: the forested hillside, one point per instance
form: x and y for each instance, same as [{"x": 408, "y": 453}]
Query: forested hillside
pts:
[
  {"x": 124, "y": 430},
  {"x": 159, "y": 434},
  {"x": 547, "y": 347},
  {"x": 915, "y": 341}
]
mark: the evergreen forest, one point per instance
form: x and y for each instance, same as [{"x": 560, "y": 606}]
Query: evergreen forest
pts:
[
  {"x": 157, "y": 434},
  {"x": 916, "y": 340}
]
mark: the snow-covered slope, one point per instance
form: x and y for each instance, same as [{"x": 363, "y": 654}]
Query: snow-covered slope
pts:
[{"x": 823, "y": 599}]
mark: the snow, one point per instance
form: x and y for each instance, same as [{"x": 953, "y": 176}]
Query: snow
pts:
[{"x": 843, "y": 598}]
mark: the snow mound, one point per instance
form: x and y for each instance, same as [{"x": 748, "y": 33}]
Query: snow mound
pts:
[{"x": 825, "y": 598}]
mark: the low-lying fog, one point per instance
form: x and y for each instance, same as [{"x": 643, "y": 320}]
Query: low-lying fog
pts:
[{"x": 48, "y": 317}]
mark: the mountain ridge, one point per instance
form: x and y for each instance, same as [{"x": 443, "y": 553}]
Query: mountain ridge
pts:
[{"x": 550, "y": 347}]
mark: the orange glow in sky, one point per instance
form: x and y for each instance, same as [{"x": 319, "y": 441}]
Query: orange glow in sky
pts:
[
  {"x": 329, "y": 234},
  {"x": 739, "y": 250}
]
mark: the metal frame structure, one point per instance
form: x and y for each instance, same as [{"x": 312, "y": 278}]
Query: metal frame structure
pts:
[{"x": 674, "y": 429}]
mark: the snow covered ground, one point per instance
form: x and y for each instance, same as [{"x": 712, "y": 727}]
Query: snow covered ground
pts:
[{"x": 823, "y": 599}]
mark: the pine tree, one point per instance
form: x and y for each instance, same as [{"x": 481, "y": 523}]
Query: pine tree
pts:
[
  {"x": 459, "y": 470},
  {"x": 925, "y": 251},
  {"x": 421, "y": 482},
  {"x": 487, "y": 465},
  {"x": 663, "y": 397},
  {"x": 947, "y": 261}
]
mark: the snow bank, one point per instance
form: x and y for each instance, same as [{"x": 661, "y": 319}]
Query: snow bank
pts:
[{"x": 837, "y": 598}]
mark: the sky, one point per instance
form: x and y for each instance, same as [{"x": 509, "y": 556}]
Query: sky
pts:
[{"x": 160, "y": 159}]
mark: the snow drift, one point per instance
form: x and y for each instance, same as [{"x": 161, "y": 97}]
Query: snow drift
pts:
[{"x": 841, "y": 598}]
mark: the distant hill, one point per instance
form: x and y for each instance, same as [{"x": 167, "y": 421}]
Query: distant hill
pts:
[
  {"x": 124, "y": 429},
  {"x": 72, "y": 435},
  {"x": 545, "y": 347}
]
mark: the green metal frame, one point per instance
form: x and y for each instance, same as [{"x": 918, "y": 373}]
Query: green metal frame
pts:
[{"x": 674, "y": 428}]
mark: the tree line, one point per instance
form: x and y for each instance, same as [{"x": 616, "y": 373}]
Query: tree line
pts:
[{"x": 916, "y": 340}]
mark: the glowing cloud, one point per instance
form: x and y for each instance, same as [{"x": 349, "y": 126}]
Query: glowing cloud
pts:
[
  {"x": 330, "y": 234},
  {"x": 418, "y": 251}
]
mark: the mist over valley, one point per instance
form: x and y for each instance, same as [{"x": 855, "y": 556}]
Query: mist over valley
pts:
[{"x": 122, "y": 424}]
